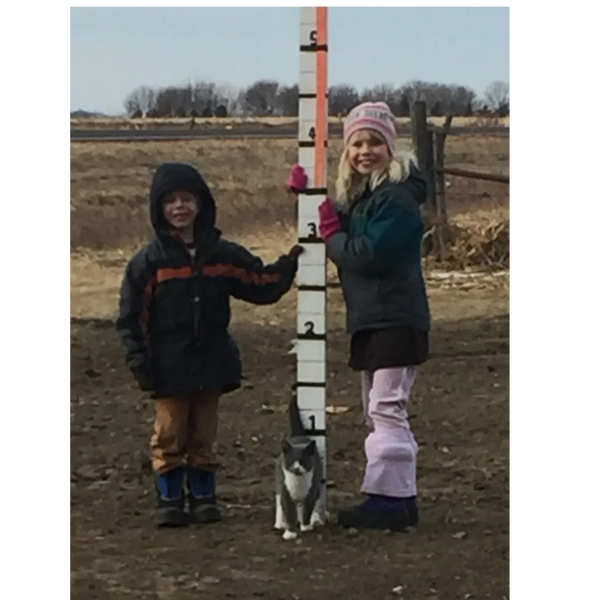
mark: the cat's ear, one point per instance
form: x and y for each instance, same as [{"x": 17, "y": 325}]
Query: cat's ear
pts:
[
  {"x": 311, "y": 448},
  {"x": 285, "y": 445}
]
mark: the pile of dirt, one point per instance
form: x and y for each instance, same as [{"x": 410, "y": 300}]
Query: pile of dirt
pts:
[{"x": 467, "y": 245}]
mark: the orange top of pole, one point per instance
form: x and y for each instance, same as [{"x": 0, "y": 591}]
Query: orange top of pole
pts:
[{"x": 321, "y": 120}]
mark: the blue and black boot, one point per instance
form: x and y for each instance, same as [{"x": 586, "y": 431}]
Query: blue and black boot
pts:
[
  {"x": 381, "y": 512},
  {"x": 202, "y": 496},
  {"x": 170, "y": 509}
]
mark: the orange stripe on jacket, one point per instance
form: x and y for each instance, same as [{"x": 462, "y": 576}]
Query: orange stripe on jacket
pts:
[
  {"x": 175, "y": 273},
  {"x": 239, "y": 273}
]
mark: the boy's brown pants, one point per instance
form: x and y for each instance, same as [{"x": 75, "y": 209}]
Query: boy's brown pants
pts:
[{"x": 185, "y": 431}]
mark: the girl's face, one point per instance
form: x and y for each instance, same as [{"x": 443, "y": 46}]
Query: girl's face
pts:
[
  {"x": 181, "y": 209},
  {"x": 367, "y": 152}
]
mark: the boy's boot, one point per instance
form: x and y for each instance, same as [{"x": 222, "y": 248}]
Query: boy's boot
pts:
[
  {"x": 202, "y": 496},
  {"x": 170, "y": 499}
]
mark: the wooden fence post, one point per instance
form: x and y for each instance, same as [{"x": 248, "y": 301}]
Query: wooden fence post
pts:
[
  {"x": 423, "y": 143},
  {"x": 439, "y": 139},
  {"x": 441, "y": 215},
  {"x": 439, "y": 144}
]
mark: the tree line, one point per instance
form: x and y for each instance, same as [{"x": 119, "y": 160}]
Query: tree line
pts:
[{"x": 270, "y": 98}]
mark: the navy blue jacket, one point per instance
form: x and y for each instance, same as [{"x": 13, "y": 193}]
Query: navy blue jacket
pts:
[{"x": 174, "y": 311}]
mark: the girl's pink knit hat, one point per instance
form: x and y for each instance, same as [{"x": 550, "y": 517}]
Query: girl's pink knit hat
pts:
[{"x": 372, "y": 115}]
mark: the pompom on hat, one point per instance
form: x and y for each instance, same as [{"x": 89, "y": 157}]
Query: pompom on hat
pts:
[{"x": 372, "y": 115}]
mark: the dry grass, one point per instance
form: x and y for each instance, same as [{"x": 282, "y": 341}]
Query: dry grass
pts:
[
  {"x": 96, "y": 277},
  {"x": 125, "y": 123},
  {"x": 110, "y": 182}
]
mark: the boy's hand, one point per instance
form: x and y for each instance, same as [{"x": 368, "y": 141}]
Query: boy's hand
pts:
[
  {"x": 144, "y": 381},
  {"x": 295, "y": 252}
]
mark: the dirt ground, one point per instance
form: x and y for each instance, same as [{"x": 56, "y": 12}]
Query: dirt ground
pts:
[
  {"x": 460, "y": 416},
  {"x": 460, "y": 409}
]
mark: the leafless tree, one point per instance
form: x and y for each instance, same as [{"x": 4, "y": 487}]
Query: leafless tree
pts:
[
  {"x": 497, "y": 95},
  {"x": 395, "y": 97},
  {"x": 342, "y": 98},
  {"x": 462, "y": 100},
  {"x": 204, "y": 97},
  {"x": 227, "y": 96},
  {"x": 267, "y": 97},
  {"x": 261, "y": 97},
  {"x": 168, "y": 102},
  {"x": 418, "y": 90},
  {"x": 141, "y": 100},
  {"x": 287, "y": 101}
]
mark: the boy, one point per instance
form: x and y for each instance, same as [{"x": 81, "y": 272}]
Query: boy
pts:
[{"x": 173, "y": 321}]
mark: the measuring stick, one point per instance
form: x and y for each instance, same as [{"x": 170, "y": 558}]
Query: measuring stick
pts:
[{"x": 312, "y": 268}]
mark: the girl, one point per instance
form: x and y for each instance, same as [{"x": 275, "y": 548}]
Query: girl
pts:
[{"x": 373, "y": 235}]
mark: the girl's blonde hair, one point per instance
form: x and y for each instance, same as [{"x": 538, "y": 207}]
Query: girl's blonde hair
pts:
[{"x": 351, "y": 184}]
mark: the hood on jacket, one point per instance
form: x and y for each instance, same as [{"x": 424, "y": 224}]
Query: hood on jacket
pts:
[
  {"x": 416, "y": 184},
  {"x": 173, "y": 176}
]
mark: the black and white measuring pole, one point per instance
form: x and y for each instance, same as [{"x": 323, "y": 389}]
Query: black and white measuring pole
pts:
[{"x": 312, "y": 270}]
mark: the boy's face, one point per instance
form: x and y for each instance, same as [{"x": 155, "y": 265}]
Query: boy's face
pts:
[{"x": 181, "y": 209}]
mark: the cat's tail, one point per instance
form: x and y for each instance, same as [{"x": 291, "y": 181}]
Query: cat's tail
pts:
[{"x": 296, "y": 425}]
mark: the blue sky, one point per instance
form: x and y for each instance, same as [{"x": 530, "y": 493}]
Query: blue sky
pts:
[{"x": 115, "y": 50}]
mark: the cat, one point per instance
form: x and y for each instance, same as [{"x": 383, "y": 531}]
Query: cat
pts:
[{"x": 298, "y": 480}]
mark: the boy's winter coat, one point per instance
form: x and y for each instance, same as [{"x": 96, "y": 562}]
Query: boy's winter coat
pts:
[{"x": 174, "y": 310}]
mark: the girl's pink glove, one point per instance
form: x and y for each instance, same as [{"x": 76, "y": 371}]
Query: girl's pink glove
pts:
[
  {"x": 329, "y": 222},
  {"x": 298, "y": 180}
]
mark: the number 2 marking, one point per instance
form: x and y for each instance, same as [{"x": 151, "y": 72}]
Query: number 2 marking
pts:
[{"x": 309, "y": 328}]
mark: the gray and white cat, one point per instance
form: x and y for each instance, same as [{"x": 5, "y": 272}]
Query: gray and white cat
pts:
[{"x": 298, "y": 477}]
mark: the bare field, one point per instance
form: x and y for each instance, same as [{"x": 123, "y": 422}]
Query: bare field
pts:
[
  {"x": 110, "y": 183},
  {"x": 178, "y": 122},
  {"x": 459, "y": 406},
  {"x": 459, "y": 413}
]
